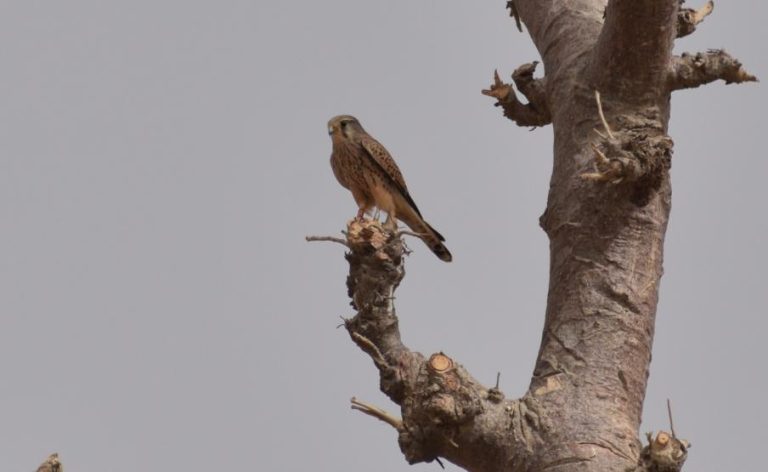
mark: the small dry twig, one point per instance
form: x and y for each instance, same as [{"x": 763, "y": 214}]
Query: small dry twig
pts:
[
  {"x": 326, "y": 238},
  {"x": 605, "y": 169},
  {"x": 377, "y": 413},
  {"x": 602, "y": 115},
  {"x": 671, "y": 423},
  {"x": 369, "y": 347}
]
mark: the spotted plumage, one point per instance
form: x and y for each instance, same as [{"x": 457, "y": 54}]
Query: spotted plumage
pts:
[{"x": 364, "y": 167}]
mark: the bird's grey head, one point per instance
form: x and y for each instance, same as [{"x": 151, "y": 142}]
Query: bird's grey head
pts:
[{"x": 345, "y": 126}]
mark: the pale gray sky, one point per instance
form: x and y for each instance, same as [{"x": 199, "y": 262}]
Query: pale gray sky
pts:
[{"x": 161, "y": 162}]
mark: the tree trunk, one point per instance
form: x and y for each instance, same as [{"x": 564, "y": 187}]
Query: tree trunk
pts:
[{"x": 609, "y": 76}]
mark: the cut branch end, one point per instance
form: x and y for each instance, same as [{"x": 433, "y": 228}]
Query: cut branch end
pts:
[
  {"x": 440, "y": 363},
  {"x": 664, "y": 452}
]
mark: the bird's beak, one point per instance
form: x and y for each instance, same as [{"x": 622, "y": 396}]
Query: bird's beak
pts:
[{"x": 330, "y": 131}]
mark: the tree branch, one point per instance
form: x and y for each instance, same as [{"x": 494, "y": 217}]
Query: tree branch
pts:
[
  {"x": 689, "y": 18},
  {"x": 376, "y": 412},
  {"x": 693, "y": 70},
  {"x": 554, "y": 24},
  {"x": 445, "y": 412},
  {"x": 633, "y": 49},
  {"x": 536, "y": 111},
  {"x": 331, "y": 239}
]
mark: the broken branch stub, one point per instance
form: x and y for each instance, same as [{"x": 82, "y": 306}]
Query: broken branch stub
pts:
[
  {"x": 689, "y": 18},
  {"x": 534, "y": 113},
  {"x": 636, "y": 150},
  {"x": 664, "y": 453}
]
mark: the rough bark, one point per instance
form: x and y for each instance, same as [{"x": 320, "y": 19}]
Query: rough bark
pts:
[
  {"x": 51, "y": 464},
  {"x": 606, "y": 217}
]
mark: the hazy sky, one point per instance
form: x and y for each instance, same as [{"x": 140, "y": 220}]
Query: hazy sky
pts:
[{"x": 161, "y": 162}]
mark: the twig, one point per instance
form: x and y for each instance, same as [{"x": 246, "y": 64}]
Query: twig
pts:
[
  {"x": 612, "y": 168},
  {"x": 498, "y": 377},
  {"x": 372, "y": 350},
  {"x": 671, "y": 424},
  {"x": 693, "y": 70},
  {"x": 377, "y": 413},
  {"x": 326, "y": 238},
  {"x": 601, "y": 155},
  {"x": 602, "y": 116}
]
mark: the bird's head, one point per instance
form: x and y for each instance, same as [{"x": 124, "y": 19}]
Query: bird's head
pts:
[{"x": 344, "y": 126}]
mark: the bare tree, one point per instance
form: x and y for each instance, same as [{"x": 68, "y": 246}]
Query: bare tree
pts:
[{"x": 610, "y": 73}]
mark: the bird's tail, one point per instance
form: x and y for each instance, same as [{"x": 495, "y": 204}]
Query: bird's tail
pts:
[
  {"x": 435, "y": 242},
  {"x": 428, "y": 234}
]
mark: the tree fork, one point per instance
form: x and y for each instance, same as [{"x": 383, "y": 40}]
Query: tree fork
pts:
[{"x": 606, "y": 219}]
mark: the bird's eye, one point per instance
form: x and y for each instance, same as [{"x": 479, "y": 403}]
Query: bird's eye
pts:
[{"x": 344, "y": 124}]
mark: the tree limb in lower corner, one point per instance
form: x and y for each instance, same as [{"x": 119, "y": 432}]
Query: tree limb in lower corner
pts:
[{"x": 445, "y": 412}]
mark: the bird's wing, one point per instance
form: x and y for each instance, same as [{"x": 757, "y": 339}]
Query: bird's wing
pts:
[
  {"x": 338, "y": 170},
  {"x": 383, "y": 160}
]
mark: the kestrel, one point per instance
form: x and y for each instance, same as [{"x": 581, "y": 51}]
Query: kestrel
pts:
[{"x": 362, "y": 165}]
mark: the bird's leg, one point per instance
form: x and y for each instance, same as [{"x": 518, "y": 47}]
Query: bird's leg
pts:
[
  {"x": 391, "y": 222},
  {"x": 363, "y": 203},
  {"x": 376, "y": 214}
]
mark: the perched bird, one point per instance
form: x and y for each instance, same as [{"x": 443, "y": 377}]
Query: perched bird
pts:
[{"x": 362, "y": 165}]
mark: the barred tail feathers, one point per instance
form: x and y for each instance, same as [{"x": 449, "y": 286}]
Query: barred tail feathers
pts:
[{"x": 429, "y": 235}]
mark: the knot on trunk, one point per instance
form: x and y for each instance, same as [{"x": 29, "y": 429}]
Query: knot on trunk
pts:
[{"x": 637, "y": 154}]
